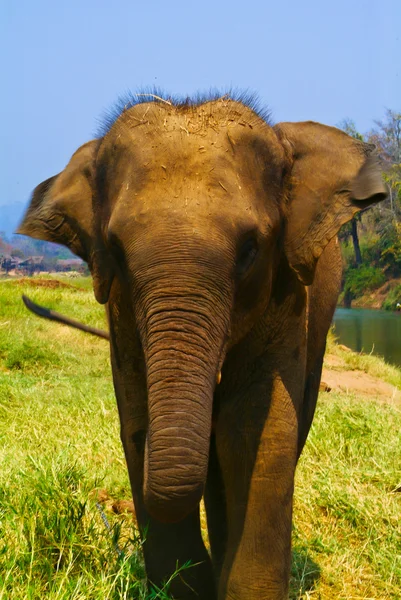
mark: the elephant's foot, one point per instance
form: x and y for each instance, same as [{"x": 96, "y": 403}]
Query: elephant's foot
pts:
[{"x": 193, "y": 583}]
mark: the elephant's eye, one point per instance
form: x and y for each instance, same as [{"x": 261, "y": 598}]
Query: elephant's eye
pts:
[{"x": 246, "y": 256}]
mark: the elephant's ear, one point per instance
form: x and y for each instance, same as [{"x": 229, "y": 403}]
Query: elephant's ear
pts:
[
  {"x": 333, "y": 176},
  {"x": 61, "y": 211}
]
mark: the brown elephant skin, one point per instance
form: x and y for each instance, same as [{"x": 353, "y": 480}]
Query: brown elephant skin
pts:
[{"x": 211, "y": 238}]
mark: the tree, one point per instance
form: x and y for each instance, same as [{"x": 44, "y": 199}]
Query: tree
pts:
[
  {"x": 387, "y": 138},
  {"x": 17, "y": 253},
  {"x": 386, "y": 135},
  {"x": 349, "y": 127},
  {"x": 378, "y": 229}
]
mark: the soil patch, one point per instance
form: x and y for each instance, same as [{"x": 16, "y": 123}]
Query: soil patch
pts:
[{"x": 337, "y": 378}]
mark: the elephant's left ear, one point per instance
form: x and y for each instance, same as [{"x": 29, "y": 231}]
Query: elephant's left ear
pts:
[
  {"x": 333, "y": 176},
  {"x": 61, "y": 211}
]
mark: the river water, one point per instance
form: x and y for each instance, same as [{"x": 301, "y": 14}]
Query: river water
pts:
[{"x": 376, "y": 331}]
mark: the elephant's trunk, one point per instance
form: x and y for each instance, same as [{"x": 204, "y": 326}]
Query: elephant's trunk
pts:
[{"x": 183, "y": 346}]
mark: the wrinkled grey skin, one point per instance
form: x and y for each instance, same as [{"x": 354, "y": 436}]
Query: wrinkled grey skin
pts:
[{"x": 211, "y": 238}]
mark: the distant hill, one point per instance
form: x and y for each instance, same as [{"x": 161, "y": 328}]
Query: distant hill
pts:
[{"x": 10, "y": 217}]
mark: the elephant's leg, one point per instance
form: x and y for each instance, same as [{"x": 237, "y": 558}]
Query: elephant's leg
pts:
[
  {"x": 216, "y": 510},
  {"x": 257, "y": 441},
  {"x": 168, "y": 546},
  {"x": 322, "y": 300},
  {"x": 165, "y": 546}
]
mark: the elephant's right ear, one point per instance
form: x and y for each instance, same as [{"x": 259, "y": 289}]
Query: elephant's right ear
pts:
[{"x": 61, "y": 211}]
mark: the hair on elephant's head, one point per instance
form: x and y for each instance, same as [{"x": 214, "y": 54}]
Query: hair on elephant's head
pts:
[{"x": 189, "y": 208}]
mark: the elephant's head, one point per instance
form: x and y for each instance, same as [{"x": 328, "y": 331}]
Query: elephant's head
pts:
[{"x": 189, "y": 208}]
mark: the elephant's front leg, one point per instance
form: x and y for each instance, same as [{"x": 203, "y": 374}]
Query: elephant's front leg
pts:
[
  {"x": 257, "y": 437},
  {"x": 166, "y": 546}
]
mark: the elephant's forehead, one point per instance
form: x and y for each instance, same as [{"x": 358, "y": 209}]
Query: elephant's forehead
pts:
[
  {"x": 174, "y": 153},
  {"x": 189, "y": 176},
  {"x": 203, "y": 160},
  {"x": 161, "y": 133},
  {"x": 187, "y": 197},
  {"x": 194, "y": 203},
  {"x": 172, "y": 149}
]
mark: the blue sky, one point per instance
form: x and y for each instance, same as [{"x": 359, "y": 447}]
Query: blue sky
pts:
[{"x": 64, "y": 63}]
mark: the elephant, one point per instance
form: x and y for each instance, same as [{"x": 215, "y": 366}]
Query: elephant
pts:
[{"x": 211, "y": 237}]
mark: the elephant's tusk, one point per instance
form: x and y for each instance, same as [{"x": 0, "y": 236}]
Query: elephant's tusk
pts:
[{"x": 218, "y": 377}]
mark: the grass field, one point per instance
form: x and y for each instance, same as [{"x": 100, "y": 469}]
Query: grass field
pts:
[{"x": 59, "y": 445}]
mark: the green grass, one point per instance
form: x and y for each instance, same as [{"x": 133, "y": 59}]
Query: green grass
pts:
[
  {"x": 393, "y": 298},
  {"x": 347, "y": 505},
  {"x": 59, "y": 444}
]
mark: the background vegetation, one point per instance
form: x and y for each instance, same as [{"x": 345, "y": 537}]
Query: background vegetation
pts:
[
  {"x": 372, "y": 241},
  {"x": 60, "y": 454}
]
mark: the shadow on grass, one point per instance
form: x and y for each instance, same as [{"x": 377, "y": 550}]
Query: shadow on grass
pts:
[{"x": 305, "y": 573}]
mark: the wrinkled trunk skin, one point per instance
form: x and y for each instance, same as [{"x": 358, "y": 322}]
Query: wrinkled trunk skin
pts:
[{"x": 183, "y": 341}]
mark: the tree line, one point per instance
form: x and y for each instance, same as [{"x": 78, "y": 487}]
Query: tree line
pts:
[{"x": 372, "y": 240}]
